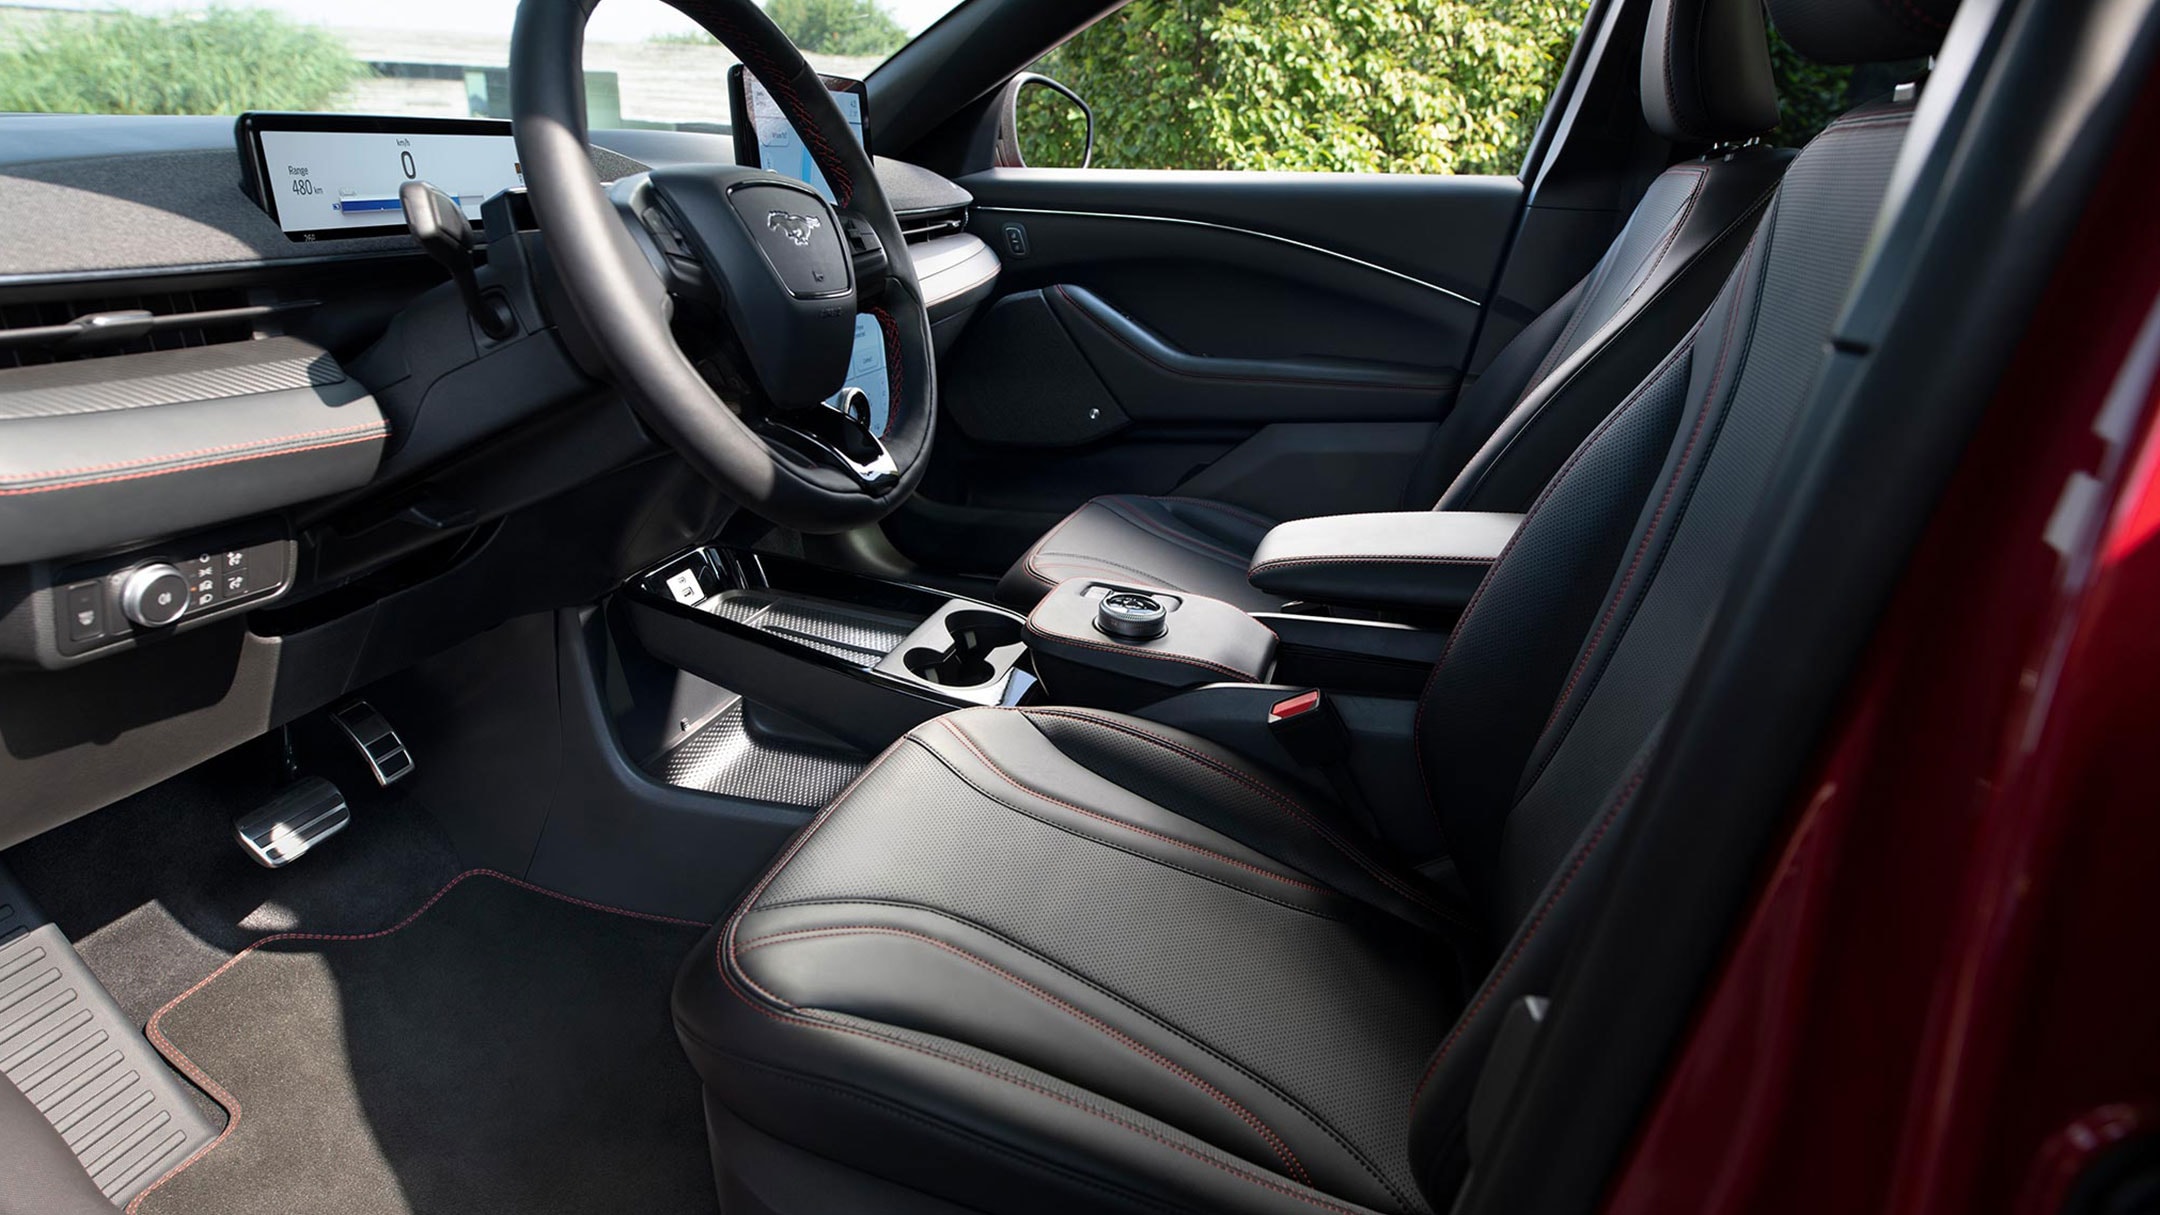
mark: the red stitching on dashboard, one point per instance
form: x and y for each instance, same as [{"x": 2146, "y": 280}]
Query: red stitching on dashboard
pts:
[
  {"x": 1267, "y": 1133},
  {"x": 225, "y": 1098},
  {"x": 361, "y": 434}
]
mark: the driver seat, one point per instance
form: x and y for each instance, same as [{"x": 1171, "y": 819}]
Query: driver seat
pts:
[
  {"x": 1705, "y": 80},
  {"x": 1056, "y": 960}
]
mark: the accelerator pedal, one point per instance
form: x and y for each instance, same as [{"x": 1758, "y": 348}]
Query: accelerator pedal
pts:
[
  {"x": 379, "y": 745},
  {"x": 302, "y": 815}
]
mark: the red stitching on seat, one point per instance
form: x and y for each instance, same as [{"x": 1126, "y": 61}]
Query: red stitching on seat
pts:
[
  {"x": 1274, "y": 1141},
  {"x": 1040, "y": 547},
  {"x": 225, "y": 1098},
  {"x": 1319, "y": 828},
  {"x": 725, "y": 952},
  {"x": 1009, "y": 779},
  {"x": 1657, "y": 517},
  {"x": 1685, "y": 348},
  {"x": 1492, "y": 982}
]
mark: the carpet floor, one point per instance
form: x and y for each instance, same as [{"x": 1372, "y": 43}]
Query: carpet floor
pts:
[{"x": 500, "y": 1050}]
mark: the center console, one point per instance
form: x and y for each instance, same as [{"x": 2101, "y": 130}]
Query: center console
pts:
[
  {"x": 1324, "y": 692},
  {"x": 861, "y": 659},
  {"x": 1114, "y": 646}
]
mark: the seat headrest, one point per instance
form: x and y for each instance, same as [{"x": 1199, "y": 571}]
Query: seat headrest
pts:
[
  {"x": 1863, "y": 31},
  {"x": 1706, "y": 70}
]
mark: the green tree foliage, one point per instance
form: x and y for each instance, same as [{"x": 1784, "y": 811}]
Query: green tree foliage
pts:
[
  {"x": 1403, "y": 86},
  {"x": 1395, "y": 86},
  {"x": 838, "y": 27},
  {"x": 220, "y": 62},
  {"x": 1810, "y": 94}
]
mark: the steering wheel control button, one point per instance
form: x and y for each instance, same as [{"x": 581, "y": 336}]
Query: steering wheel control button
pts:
[
  {"x": 154, "y": 596},
  {"x": 1131, "y": 616},
  {"x": 84, "y": 607}
]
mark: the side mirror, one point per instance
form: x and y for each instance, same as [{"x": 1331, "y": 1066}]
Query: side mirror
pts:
[{"x": 1043, "y": 123}]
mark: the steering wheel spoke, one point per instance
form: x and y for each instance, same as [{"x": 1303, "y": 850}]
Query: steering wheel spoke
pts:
[
  {"x": 771, "y": 270},
  {"x": 867, "y": 252},
  {"x": 835, "y": 439}
]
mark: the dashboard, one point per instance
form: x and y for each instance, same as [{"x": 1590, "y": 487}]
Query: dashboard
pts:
[
  {"x": 331, "y": 175},
  {"x": 226, "y": 374}
]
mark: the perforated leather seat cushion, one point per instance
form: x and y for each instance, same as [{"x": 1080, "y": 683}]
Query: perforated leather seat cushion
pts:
[{"x": 1115, "y": 966}]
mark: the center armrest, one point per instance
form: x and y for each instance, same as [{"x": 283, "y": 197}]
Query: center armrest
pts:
[{"x": 1417, "y": 559}]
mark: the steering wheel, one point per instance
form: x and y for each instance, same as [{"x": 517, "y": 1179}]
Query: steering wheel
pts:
[{"x": 756, "y": 273}]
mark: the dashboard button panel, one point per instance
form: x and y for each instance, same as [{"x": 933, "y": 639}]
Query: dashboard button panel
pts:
[{"x": 114, "y": 601}]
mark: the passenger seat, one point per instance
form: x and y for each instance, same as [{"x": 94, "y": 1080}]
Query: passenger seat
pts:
[{"x": 1705, "y": 80}]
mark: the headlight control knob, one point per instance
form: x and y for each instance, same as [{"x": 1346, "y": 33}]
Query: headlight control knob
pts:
[
  {"x": 1131, "y": 616},
  {"x": 154, "y": 596}
]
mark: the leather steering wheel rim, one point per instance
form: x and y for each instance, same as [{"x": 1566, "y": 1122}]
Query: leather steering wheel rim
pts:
[{"x": 624, "y": 305}]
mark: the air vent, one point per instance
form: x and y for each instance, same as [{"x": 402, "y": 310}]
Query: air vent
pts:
[
  {"x": 59, "y": 331},
  {"x": 929, "y": 224}
]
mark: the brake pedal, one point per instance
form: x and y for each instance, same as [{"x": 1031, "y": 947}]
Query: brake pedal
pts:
[
  {"x": 301, "y": 816},
  {"x": 379, "y": 745}
]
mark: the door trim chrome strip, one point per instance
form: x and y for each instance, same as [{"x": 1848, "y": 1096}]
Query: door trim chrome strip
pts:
[{"x": 1232, "y": 228}]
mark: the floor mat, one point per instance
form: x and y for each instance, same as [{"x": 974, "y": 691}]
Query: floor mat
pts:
[{"x": 502, "y": 1049}]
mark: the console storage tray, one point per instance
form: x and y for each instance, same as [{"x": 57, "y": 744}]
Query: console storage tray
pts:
[{"x": 861, "y": 658}]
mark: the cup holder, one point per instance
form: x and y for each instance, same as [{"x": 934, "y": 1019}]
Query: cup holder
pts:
[{"x": 966, "y": 662}]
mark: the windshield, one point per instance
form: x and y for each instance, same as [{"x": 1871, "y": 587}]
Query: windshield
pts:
[{"x": 646, "y": 65}]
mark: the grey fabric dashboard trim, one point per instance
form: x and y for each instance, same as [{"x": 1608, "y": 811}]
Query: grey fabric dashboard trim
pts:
[
  {"x": 173, "y": 440},
  {"x": 159, "y": 211},
  {"x": 228, "y": 370}
]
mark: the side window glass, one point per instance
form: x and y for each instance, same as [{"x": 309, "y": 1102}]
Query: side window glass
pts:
[{"x": 1385, "y": 86}]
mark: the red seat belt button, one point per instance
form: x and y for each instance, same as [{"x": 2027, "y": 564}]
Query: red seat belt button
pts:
[{"x": 1296, "y": 706}]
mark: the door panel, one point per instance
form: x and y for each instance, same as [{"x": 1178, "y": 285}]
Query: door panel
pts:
[{"x": 1303, "y": 331}]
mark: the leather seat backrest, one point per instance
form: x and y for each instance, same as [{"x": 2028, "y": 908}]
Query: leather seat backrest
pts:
[
  {"x": 1589, "y": 627},
  {"x": 1705, "y": 79}
]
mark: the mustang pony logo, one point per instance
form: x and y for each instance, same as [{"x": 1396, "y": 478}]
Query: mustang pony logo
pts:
[{"x": 797, "y": 228}]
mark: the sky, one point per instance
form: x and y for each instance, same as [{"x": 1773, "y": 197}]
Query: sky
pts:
[{"x": 613, "y": 21}]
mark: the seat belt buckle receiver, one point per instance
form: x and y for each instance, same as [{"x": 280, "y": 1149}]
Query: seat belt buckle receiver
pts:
[{"x": 1309, "y": 729}]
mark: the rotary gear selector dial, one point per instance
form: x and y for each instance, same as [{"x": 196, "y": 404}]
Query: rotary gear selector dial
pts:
[{"x": 1131, "y": 616}]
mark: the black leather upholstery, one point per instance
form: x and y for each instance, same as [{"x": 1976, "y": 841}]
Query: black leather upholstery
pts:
[
  {"x": 1511, "y": 428},
  {"x": 1060, "y": 960},
  {"x": 1179, "y": 544},
  {"x": 1417, "y": 559},
  {"x": 1863, "y": 31},
  {"x": 1714, "y": 87},
  {"x": 1100, "y": 961},
  {"x": 1203, "y": 641}
]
